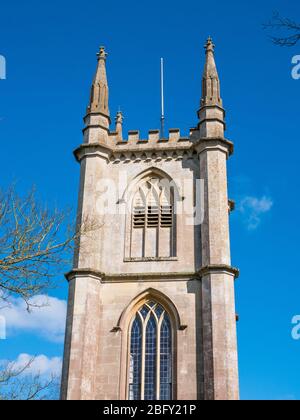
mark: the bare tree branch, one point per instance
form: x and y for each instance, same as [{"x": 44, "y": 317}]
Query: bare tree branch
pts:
[
  {"x": 284, "y": 25},
  {"x": 10, "y": 371},
  {"x": 35, "y": 245},
  {"x": 17, "y": 383}
]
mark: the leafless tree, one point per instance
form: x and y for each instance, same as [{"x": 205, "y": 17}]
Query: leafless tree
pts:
[
  {"x": 36, "y": 245},
  {"x": 17, "y": 383},
  {"x": 288, "y": 30}
]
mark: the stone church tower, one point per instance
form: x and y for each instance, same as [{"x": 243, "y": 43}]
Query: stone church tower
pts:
[{"x": 151, "y": 313}]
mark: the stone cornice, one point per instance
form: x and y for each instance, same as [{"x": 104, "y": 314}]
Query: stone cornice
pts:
[
  {"x": 214, "y": 143},
  {"x": 89, "y": 113},
  {"x": 92, "y": 149},
  {"x": 203, "y": 107},
  {"x": 153, "y": 150},
  {"x": 142, "y": 151},
  {"x": 144, "y": 146},
  {"x": 84, "y": 272},
  {"x": 210, "y": 119},
  {"x": 130, "y": 277},
  {"x": 146, "y": 277},
  {"x": 217, "y": 269},
  {"x": 89, "y": 126}
]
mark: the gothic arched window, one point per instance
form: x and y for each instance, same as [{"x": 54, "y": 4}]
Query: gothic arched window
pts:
[
  {"x": 151, "y": 354},
  {"x": 153, "y": 228}
]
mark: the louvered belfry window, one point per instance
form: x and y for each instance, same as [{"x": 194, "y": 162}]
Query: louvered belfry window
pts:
[
  {"x": 139, "y": 216},
  {"x": 156, "y": 216},
  {"x": 153, "y": 226},
  {"x": 166, "y": 216},
  {"x": 152, "y": 216}
]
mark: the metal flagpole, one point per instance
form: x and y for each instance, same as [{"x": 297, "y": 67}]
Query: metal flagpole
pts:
[{"x": 162, "y": 120}]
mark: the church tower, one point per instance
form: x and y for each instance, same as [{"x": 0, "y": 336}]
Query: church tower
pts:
[{"x": 151, "y": 311}]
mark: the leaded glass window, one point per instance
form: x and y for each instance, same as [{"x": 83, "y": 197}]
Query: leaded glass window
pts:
[
  {"x": 165, "y": 360},
  {"x": 150, "y": 370},
  {"x": 135, "y": 360},
  {"x": 150, "y": 359}
]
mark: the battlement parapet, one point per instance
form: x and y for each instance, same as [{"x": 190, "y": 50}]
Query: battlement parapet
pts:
[{"x": 154, "y": 140}]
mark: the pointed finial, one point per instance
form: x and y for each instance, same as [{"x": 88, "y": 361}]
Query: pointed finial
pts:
[
  {"x": 99, "y": 91},
  {"x": 119, "y": 125},
  {"x": 209, "y": 46},
  {"x": 211, "y": 113},
  {"x": 102, "y": 54},
  {"x": 119, "y": 117}
]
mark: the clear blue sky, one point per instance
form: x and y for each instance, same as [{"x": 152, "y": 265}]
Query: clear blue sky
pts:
[{"x": 50, "y": 50}]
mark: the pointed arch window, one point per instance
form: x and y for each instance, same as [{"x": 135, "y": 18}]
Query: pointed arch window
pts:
[
  {"x": 151, "y": 354},
  {"x": 153, "y": 229}
]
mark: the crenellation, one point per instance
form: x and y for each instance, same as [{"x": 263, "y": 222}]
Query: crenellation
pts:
[
  {"x": 153, "y": 136},
  {"x": 194, "y": 134},
  {"x": 133, "y": 136},
  {"x": 174, "y": 135},
  {"x": 154, "y": 140}
]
